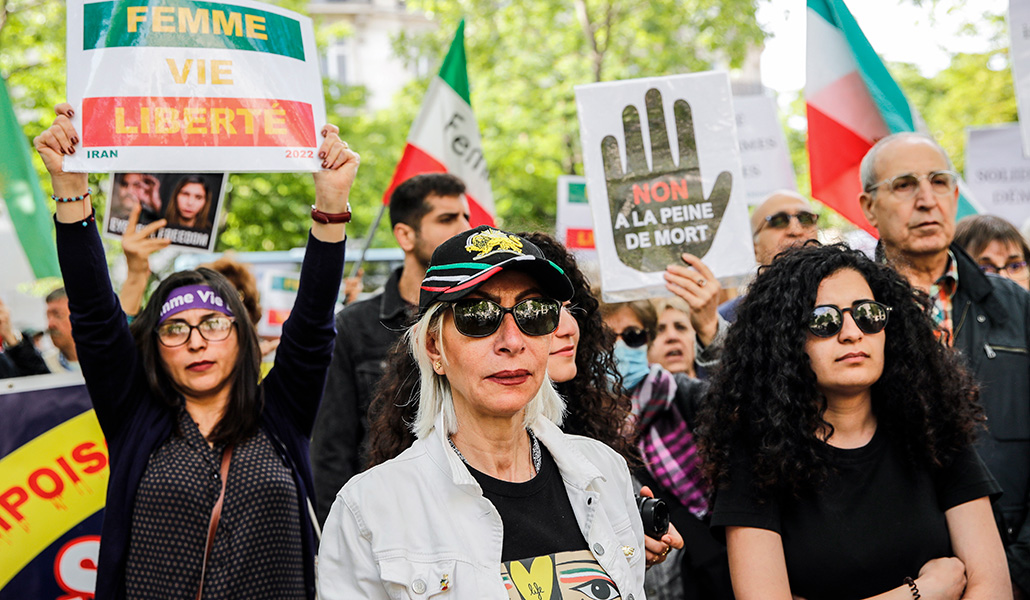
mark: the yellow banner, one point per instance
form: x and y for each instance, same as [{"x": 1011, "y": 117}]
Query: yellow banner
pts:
[{"x": 48, "y": 486}]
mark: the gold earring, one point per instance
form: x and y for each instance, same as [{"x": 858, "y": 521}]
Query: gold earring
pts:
[{"x": 438, "y": 365}]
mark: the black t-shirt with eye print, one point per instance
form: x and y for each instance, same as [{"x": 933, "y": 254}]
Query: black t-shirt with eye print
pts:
[{"x": 544, "y": 555}]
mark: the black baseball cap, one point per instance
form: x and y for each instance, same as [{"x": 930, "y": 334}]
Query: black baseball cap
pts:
[{"x": 466, "y": 261}]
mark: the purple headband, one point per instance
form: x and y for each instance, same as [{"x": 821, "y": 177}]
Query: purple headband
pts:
[{"x": 193, "y": 296}]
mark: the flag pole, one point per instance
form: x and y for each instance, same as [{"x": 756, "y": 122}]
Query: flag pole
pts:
[{"x": 368, "y": 241}]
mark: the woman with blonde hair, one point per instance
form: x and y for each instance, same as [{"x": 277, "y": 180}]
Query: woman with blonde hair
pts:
[{"x": 492, "y": 500}]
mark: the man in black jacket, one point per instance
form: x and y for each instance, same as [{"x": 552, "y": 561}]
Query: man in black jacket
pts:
[
  {"x": 18, "y": 356},
  {"x": 425, "y": 211},
  {"x": 911, "y": 197}
]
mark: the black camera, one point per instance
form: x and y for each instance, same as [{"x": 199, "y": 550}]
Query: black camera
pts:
[{"x": 655, "y": 515}]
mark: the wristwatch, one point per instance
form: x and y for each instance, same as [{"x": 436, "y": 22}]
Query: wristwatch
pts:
[
  {"x": 17, "y": 339},
  {"x": 324, "y": 217}
]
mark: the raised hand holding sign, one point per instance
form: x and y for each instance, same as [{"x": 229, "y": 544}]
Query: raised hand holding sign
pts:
[
  {"x": 661, "y": 212},
  {"x": 663, "y": 203}
]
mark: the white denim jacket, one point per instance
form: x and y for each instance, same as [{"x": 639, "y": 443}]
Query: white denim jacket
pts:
[{"x": 419, "y": 527}]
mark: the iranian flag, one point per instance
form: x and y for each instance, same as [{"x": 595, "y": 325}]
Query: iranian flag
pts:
[
  {"x": 445, "y": 136},
  {"x": 852, "y": 102},
  {"x": 26, "y": 226}
]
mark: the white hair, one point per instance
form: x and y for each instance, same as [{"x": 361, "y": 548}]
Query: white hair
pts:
[{"x": 435, "y": 390}]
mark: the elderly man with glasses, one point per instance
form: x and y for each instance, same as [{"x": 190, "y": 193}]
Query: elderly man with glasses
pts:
[{"x": 911, "y": 197}]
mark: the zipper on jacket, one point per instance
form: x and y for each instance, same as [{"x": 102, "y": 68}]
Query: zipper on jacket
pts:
[
  {"x": 1011, "y": 349},
  {"x": 989, "y": 351},
  {"x": 961, "y": 321}
]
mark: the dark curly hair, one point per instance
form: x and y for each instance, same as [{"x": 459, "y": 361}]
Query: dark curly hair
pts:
[
  {"x": 766, "y": 409},
  {"x": 393, "y": 407},
  {"x": 594, "y": 408}
]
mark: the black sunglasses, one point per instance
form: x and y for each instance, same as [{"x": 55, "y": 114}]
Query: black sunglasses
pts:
[
  {"x": 633, "y": 336},
  {"x": 827, "y": 320},
  {"x": 782, "y": 220},
  {"x": 480, "y": 317}
]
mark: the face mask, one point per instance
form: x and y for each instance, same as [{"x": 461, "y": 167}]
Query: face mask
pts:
[{"x": 632, "y": 364}]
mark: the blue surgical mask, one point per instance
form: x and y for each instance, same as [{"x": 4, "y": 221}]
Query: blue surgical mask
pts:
[{"x": 632, "y": 364}]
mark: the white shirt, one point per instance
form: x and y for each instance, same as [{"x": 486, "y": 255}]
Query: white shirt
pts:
[{"x": 419, "y": 523}]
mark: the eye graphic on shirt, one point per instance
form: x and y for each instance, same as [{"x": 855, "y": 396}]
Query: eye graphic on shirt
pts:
[
  {"x": 582, "y": 578},
  {"x": 601, "y": 588},
  {"x": 570, "y": 575}
]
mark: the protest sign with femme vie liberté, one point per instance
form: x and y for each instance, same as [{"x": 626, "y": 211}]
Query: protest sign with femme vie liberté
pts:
[{"x": 191, "y": 86}]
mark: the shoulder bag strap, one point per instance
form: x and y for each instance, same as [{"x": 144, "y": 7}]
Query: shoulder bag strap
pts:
[{"x": 216, "y": 513}]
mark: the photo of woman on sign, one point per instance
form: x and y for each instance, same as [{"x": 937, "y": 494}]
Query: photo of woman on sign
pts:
[{"x": 190, "y": 203}]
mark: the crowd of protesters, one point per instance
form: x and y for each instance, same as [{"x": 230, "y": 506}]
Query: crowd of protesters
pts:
[{"x": 486, "y": 427}]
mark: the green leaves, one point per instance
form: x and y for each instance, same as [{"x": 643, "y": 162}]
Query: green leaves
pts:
[{"x": 523, "y": 60}]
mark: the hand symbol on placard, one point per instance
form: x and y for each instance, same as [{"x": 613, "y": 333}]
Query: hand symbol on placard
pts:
[{"x": 659, "y": 214}]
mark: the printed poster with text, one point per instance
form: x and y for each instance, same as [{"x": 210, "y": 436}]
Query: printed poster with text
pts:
[
  {"x": 53, "y": 484},
  {"x": 663, "y": 170},
  {"x": 997, "y": 172},
  {"x": 573, "y": 222},
  {"x": 1019, "y": 30},
  {"x": 191, "y": 86}
]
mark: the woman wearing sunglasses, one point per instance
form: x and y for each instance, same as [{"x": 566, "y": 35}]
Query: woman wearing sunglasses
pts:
[
  {"x": 664, "y": 407},
  {"x": 492, "y": 500},
  {"x": 208, "y": 493},
  {"x": 841, "y": 442}
]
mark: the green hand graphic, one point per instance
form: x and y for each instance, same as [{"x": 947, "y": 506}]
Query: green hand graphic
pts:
[{"x": 660, "y": 213}]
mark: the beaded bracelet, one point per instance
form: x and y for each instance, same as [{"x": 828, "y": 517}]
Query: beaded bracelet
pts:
[
  {"x": 85, "y": 219},
  {"x": 75, "y": 199},
  {"x": 915, "y": 590}
]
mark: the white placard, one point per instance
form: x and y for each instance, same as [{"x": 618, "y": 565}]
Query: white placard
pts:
[
  {"x": 997, "y": 172},
  {"x": 1019, "y": 29},
  {"x": 653, "y": 200},
  {"x": 764, "y": 155},
  {"x": 574, "y": 224},
  {"x": 193, "y": 86},
  {"x": 278, "y": 293},
  {"x": 191, "y": 203}
]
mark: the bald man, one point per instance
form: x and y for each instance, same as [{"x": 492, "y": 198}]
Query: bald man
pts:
[{"x": 782, "y": 220}]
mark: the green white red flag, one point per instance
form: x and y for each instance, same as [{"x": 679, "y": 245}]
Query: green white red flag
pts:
[
  {"x": 26, "y": 206},
  {"x": 445, "y": 136},
  {"x": 852, "y": 102}
]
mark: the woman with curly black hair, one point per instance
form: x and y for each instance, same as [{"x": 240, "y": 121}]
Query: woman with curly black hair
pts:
[{"x": 840, "y": 441}]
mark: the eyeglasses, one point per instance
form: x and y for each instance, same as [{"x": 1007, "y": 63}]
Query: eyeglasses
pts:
[
  {"x": 481, "y": 317},
  {"x": 633, "y": 336},
  {"x": 781, "y": 220},
  {"x": 176, "y": 333},
  {"x": 905, "y": 186},
  {"x": 1016, "y": 270},
  {"x": 827, "y": 320}
]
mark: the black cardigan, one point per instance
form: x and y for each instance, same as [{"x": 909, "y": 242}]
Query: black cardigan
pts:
[{"x": 135, "y": 423}]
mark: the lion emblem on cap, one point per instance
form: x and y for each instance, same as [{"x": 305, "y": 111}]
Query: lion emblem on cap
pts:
[{"x": 491, "y": 241}]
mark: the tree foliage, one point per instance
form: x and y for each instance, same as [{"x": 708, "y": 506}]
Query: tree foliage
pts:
[
  {"x": 975, "y": 90},
  {"x": 525, "y": 59}
]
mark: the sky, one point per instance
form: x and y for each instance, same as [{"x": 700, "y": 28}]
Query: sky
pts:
[{"x": 898, "y": 31}]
